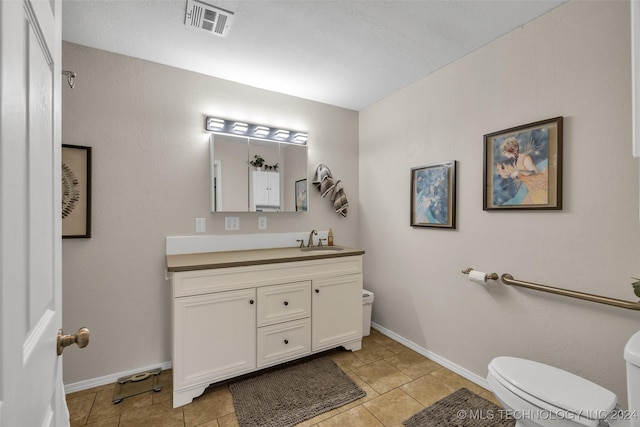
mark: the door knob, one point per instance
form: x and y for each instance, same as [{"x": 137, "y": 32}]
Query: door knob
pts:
[{"x": 80, "y": 338}]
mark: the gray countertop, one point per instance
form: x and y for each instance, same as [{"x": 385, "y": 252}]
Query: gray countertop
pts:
[{"x": 209, "y": 260}]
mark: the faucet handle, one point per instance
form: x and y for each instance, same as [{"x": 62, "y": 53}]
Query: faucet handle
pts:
[
  {"x": 301, "y": 243},
  {"x": 320, "y": 242}
]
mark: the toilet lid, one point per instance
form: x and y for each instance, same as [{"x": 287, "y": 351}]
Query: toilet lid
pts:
[{"x": 554, "y": 386}]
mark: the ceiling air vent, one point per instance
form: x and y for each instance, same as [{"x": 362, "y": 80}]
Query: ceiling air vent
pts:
[{"x": 207, "y": 17}]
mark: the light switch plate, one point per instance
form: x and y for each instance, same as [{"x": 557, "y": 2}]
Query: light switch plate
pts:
[
  {"x": 262, "y": 223},
  {"x": 232, "y": 223},
  {"x": 201, "y": 225}
]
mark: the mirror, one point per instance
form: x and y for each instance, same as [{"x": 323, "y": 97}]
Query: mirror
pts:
[{"x": 278, "y": 185}]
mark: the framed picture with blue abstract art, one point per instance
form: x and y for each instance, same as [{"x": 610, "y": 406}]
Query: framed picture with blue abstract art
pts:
[
  {"x": 523, "y": 167},
  {"x": 433, "y": 195},
  {"x": 301, "y": 195}
]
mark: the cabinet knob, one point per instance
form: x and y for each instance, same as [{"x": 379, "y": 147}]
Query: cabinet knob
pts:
[
  {"x": 250, "y": 301},
  {"x": 286, "y": 341},
  {"x": 317, "y": 291},
  {"x": 286, "y": 303}
]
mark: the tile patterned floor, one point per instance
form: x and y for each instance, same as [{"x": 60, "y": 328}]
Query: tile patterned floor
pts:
[{"x": 399, "y": 382}]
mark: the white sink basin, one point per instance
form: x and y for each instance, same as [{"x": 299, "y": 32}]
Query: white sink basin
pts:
[{"x": 319, "y": 250}]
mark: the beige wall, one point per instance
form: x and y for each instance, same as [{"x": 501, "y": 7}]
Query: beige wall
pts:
[
  {"x": 573, "y": 62},
  {"x": 150, "y": 180}
]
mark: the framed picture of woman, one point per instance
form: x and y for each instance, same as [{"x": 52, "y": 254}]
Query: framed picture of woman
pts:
[
  {"x": 523, "y": 167},
  {"x": 433, "y": 195}
]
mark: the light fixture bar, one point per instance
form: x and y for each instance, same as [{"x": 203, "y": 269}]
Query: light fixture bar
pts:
[{"x": 233, "y": 127}]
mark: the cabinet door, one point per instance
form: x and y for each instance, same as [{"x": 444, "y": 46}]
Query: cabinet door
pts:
[
  {"x": 214, "y": 337},
  {"x": 274, "y": 188},
  {"x": 260, "y": 188},
  {"x": 337, "y": 311}
]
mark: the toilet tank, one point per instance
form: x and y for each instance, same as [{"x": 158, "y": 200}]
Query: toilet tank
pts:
[{"x": 632, "y": 356}]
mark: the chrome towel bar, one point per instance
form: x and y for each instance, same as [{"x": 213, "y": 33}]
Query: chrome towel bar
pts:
[{"x": 508, "y": 279}]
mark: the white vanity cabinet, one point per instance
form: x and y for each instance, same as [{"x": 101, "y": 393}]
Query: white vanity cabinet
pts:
[{"x": 235, "y": 320}]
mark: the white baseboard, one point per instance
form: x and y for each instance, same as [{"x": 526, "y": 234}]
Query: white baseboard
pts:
[
  {"x": 477, "y": 379},
  {"x": 109, "y": 379},
  {"x": 112, "y": 378}
]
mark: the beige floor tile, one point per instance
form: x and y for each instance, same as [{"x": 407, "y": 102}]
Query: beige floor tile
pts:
[
  {"x": 393, "y": 407},
  {"x": 107, "y": 422},
  {"x": 229, "y": 420},
  {"x": 318, "y": 418},
  {"x": 382, "y": 340},
  {"x": 456, "y": 381},
  {"x": 372, "y": 352},
  {"x": 159, "y": 415},
  {"x": 213, "y": 423},
  {"x": 486, "y": 394},
  {"x": 80, "y": 407},
  {"x": 211, "y": 405},
  {"x": 412, "y": 364},
  {"x": 371, "y": 393},
  {"x": 346, "y": 360},
  {"x": 103, "y": 407},
  {"x": 382, "y": 376},
  {"x": 356, "y": 417},
  {"x": 427, "y": 389},
  {"x": 93, "y": 390},
  {"x": 165, "y": 380}
]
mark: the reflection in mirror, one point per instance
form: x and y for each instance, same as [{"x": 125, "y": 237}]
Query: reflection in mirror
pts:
[
  {"x": 294, "y": 159},
  {"x": 264, "y": 181},
  {"x": 279, "y": 185},
  {"x": 229, "y": 180}
]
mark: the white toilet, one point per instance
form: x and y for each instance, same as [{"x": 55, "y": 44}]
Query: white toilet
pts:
[{"x": 539, "y": 395}]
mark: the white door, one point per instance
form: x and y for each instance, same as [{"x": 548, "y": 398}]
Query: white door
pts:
[{"x": 31, "y": 392}]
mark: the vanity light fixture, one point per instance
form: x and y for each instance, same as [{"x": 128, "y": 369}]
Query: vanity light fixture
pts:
[
  {"x": 239, "y": 127},
  {"x": 281, "y": 134},
  {"x": 261, "y": 131},
  {"x": 300, "y": 138},
  {"x": 232, "y": 127},
  {"x": 216, "y": 124}
]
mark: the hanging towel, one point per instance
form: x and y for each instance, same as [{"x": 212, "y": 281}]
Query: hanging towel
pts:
[
  {"x": 339, "y": 198},
  {"x": 322, "y": 173},
  {"x": 326, "y": 186}
]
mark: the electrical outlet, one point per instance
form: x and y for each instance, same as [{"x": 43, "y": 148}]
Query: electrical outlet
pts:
[
  {"x": 201, "y": 225},
  {"x": 231, "y": 223},
  {"x": 262, "y": 223}
]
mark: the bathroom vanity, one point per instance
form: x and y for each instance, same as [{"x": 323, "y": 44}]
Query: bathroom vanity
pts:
[{"x": 240, "y": 311}]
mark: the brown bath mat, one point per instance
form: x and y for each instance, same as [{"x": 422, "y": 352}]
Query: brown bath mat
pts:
[
  {"x": 461, "y": 408},
  {"x": 288, "y": 396}
]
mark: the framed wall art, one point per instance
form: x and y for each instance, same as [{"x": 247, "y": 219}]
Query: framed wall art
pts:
[
  {"x": 76, "y": 191},
  {"x": 523, "y": 167},
  {"x": 433, "y": 195},
  {"x": 301, "y": 195}
]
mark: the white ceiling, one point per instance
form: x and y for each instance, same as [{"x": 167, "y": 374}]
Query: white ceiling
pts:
[{"x": 348, "y": 53}]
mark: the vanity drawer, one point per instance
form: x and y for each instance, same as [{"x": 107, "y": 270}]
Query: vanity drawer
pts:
[
  {"x": 281, "y": 303},
  {"x": 284, "y": 341}
]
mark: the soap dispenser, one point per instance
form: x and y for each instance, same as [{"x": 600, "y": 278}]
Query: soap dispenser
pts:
[{"x": 330, "y": 238}]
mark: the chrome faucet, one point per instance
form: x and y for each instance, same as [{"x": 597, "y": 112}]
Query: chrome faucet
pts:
[{"x": 310, "y": 242}]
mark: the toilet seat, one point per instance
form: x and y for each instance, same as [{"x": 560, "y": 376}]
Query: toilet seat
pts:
[{"x": 537, "y": 383}]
